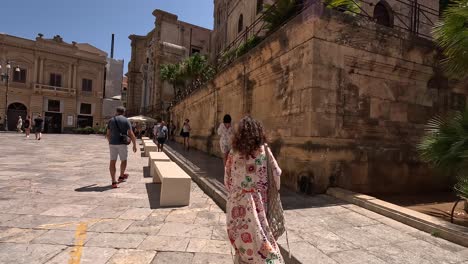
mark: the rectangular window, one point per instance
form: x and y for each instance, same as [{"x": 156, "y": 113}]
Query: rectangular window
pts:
[
  {"x": 85, "y": 109},
  {"x": 53, "y": 106},
  {"x": 19, "y": 76},
  {"x": 55, "y": 80},
  {"x": 259, "y": 6},
  {"x": 87, "y": 85}
]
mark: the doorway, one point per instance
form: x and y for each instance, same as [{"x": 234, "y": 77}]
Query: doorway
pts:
[
  {"x": 85, "y": 121},
  {"x": 15, "y": 110},
  {"x": 53, "y": 123}
]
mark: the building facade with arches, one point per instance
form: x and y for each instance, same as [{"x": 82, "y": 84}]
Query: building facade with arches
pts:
[{"x": 61, "y": 81}]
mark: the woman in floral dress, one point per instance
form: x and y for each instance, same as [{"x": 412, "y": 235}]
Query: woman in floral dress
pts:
[{"x": 246, "y": 181}]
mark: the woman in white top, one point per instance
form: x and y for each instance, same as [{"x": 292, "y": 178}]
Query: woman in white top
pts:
[
  {"x": 19, "y": 125},
  {"x": 225, "y": 132},
  {"x": 185, "y": 133}
]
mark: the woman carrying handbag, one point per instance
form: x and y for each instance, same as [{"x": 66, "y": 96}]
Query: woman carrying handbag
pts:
[{"x": 253, "y": 211}]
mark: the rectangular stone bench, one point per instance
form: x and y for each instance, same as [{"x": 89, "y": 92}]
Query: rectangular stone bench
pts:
[
  {"x": 150, "y": 147},
  {"x": 156, "y": 156},
  {"x": 175, "y": 184},
  {"x": 143, "y": 140}
]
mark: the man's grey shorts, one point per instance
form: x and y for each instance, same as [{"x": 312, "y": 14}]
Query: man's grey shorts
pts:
[{"x": 118, "y": 151}]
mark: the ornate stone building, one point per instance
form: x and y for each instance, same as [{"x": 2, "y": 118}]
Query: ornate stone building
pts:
[
  {"x": 170, "y": 41},
  {"x": 63, "y": 82},
  {"x": 231, "y": 18}
]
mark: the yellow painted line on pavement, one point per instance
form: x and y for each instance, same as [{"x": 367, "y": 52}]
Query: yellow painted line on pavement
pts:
[
  {"x": 80, "y": 237},
  {"x": 94, "y": 221}
]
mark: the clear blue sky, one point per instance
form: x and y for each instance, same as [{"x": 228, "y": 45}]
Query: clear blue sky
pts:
[{"x": 93, "y": 21}]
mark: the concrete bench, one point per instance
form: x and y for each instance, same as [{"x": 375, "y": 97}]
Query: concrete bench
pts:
[
  {"x": 143, "y": 140},
  {"x": 175, "y": 184},
  {"x": 148, "y": 141},
  {"x": 149, "y": 147},
  {"x": 156, "y": 156}
]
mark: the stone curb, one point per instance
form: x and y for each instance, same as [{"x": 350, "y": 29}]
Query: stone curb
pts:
[
  {"x": 429, "y": 224},
  {"x": 218, "y": 196}
]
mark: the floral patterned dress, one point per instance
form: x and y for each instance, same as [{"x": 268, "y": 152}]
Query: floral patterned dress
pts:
[
  {"x": 225, "y": 140},
  {"x": 246, "y": 181}
]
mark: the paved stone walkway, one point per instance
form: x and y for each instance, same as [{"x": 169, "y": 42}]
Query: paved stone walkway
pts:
[
  {"x": 56, "y": 206},
  {"x": 324, "y": 230}
]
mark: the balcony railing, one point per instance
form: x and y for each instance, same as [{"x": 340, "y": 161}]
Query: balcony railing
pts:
[
  {"x": 90, "y": 94},
  {"x": 41, "y": 88}
]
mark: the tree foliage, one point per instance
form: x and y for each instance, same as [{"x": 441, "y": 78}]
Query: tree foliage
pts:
[
  {"x": 350, "y": 7},
  {"x": 277, "y": 14},
  {"x": 451, "y": 34},
  {"x": 445, "y": 146},
  {"x": 193, "y": 71}
]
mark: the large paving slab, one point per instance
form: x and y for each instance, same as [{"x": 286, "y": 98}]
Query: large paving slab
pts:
[{"x": 56, "y": 203}]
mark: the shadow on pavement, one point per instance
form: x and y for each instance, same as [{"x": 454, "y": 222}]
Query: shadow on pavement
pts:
[
  {"x": 146, "y": 172},
  {"x": 94, "y": 188},
  {"x": 154, "y": 192},
  {"x": 211, "y": 168}
]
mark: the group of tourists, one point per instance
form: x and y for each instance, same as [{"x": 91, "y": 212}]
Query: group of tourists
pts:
[
  {"x": 27, "y": 124},
  {"x": 254, "y": 214}
]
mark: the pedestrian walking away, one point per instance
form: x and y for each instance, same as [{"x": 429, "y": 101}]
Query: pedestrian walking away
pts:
[
  {"x": 246, "y": 181},
  {"x": 185, "y": 133},
  {"x": 19, "y": 125},
  {"x": 172, "y": 129},
  {"x": 225, "y": 132},
  {"x": 38, "y": 124},
  {"x": 161, "y": 135},
  {"x": 27, "y": 126},
  {"x": 119, "y": 135}
]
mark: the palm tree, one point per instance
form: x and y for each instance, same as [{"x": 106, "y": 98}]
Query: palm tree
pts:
[
  {"x": 275, "y": 15},
  {"x": 172, "y": 74},
  {"x": 451, "y": 34},
  {"x": 445, "y": 146},
  {"x": 197, "y": 70},
  {"x": 350, "y": 7}
]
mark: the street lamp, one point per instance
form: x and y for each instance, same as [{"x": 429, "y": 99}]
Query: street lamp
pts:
[{"x": 6, "y": 77}]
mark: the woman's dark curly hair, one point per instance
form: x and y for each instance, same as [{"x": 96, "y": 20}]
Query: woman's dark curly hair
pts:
[{"x": 248, "y": 137}]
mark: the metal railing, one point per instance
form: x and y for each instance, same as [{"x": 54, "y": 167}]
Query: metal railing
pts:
[
  {"x": 418, "y": 16},
  {"x": 40, "y": 88}
]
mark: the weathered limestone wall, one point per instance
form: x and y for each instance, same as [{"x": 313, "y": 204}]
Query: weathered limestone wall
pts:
[{"x": 343, "y": 100}]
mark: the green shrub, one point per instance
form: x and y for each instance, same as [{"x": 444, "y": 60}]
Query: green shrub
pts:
[{"x": 248, "y": 45}]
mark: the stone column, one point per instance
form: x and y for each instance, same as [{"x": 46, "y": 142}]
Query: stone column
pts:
[
  {"x": 34, "y": 81},
  {"x": 70, "y": 77},
  {"x": 41, "y": 70},
  {"x": 74, "y": 82}
]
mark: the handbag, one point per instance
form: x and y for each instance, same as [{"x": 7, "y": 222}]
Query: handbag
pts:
[
  {"x": 124, "y": 138},
  {"x": 275, "y": 212}
]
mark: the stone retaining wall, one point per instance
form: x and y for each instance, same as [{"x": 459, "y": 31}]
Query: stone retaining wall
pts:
[{"x": 344, "y": 102}]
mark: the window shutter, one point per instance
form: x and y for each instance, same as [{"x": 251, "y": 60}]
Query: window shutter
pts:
[{"x": 59, "y": 80}]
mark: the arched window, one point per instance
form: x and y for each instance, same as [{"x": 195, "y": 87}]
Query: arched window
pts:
[
  {"x": 383, "y": 14},
  {"x": 240, "y": 24},
  {"x": 259, "y": 6}
]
